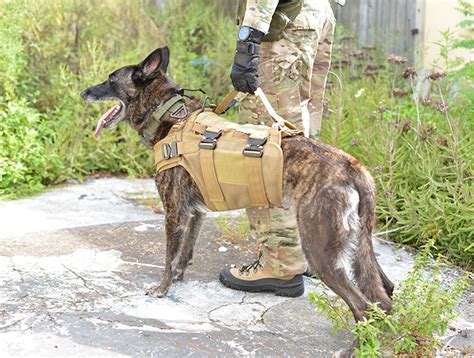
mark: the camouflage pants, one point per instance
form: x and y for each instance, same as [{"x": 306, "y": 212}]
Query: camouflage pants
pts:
[{"x": 292, "y": 74}]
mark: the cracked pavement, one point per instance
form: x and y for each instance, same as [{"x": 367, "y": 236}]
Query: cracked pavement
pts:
[{"x": 75, "y": 262}]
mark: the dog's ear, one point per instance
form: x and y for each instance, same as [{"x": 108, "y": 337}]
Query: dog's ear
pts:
[{"x": 151, "y": 66}]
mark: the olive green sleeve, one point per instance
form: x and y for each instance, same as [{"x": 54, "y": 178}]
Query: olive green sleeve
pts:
[{"x": 259, "y": 13}]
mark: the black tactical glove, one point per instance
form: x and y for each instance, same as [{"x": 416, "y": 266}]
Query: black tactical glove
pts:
[{"x": 244, "y": 73}]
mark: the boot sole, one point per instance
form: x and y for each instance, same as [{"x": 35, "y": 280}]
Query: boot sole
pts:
[{"x": 291, "y": 288}]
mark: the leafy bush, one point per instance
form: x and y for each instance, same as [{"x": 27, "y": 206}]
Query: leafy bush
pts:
[
  {"x": 26, "y": 159},
  {"x": 423, "y": 305},
  {"x": 467, "y": 41}
]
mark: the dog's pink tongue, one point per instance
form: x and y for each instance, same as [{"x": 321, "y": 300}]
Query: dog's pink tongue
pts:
[{"x": 103, "y": 120}]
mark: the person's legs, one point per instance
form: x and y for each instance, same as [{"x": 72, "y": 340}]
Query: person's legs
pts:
[
  {"x": 315, "y": 91},
  {"x": 285, "y": 69},
  {"x": 281, "y": 246},
  {"x": 275, "y": 227},
  {"x": 279, "y": 80}
]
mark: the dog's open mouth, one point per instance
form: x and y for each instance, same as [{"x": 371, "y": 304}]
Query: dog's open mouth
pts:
[{"x": 110, "y": 118}]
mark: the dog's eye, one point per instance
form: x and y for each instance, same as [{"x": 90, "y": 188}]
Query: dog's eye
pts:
[{"x": 111, "y": 80}]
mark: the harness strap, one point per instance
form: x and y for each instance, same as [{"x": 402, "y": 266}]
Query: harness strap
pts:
[
  {"x": 171, "y": 106},
  {"x": 253, "y": 167},
  {"x": 210, "y": 179}
]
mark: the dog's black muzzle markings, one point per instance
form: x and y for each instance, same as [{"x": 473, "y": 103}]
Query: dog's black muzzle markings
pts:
[{"x": 100, "y": 92}]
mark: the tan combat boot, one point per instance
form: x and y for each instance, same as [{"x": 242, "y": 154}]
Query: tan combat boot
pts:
[{"x": 256, "y": 278}]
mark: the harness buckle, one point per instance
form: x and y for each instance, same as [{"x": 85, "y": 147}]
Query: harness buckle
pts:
[
  {"x": 254, "y": 147},
  {"x": 175, "y": 114},
  {"x": 146, "y": 139},
  {"x": 209, "y": 140},
  {"x": 169, "y": 150}
]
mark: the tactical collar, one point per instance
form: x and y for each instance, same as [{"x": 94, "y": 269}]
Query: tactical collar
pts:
[{"x": 174, "y": 107}]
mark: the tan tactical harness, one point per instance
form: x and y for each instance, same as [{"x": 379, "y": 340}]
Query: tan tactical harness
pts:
[{"x": 234, "y": 166}]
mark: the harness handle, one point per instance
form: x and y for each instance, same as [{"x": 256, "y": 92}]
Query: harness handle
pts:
[{"x": 226, "y": 103}]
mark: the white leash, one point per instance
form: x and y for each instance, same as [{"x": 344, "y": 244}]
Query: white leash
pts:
[
  {"x": 239, "y": 96},
  {"x": 271, "y": 111}
]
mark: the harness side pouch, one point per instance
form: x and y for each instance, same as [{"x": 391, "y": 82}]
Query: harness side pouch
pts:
[{"x": 241, "y": 167}]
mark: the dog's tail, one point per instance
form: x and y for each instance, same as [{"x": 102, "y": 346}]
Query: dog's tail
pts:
[{"x": 369, "y": 276}]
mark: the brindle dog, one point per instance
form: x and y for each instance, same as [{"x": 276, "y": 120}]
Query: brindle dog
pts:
[{"x": 332, "y": 193}]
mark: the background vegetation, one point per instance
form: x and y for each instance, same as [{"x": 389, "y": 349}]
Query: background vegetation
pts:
[{"x": 419, "y": 148}]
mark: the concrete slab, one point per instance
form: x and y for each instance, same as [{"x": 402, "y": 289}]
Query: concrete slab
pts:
[
  {"x": 94, "y": 203},
  {"x": 72, "y": 284}
]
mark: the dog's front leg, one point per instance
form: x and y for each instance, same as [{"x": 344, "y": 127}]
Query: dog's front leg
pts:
[
  {"x": 187, "y": 249},
  {"x": 174, "y": 234}
]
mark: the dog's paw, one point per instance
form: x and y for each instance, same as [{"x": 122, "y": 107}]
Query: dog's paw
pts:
[
  {"x": 155, "y": 291},
  {"x": 179, "y": 275}
]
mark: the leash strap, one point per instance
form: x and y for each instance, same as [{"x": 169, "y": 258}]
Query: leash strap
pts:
[
  {"x": 238, "y": 96},
  {"x": 271, "y": 111},
  {"x": 282, "y": 123}
]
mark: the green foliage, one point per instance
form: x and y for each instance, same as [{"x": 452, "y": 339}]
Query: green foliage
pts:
[
  {"x": 26, "y": 159},
  {"x": 25, "y": 143},
  {"x": 201, "y": 44},
  {"x": 467, "y": 9},
  {"x": 423, "y": 305}
]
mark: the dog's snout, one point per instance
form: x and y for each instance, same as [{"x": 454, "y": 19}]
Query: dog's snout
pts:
[{"x": 85, "y": 93}]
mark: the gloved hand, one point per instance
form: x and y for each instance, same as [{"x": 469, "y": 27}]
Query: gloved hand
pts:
[{"x": 244, "y": 73}]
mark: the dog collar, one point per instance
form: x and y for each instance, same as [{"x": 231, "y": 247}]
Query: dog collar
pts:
[{"x": 171, "y": 108}]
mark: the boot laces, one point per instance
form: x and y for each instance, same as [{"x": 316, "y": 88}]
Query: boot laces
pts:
[{"x": 254, "y": 265}]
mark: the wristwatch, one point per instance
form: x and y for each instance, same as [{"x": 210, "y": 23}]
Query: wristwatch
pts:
[{"x": 250, "y": 34}]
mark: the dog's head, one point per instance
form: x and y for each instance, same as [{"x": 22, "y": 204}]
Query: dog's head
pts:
[{"x": 128, "y": 83}]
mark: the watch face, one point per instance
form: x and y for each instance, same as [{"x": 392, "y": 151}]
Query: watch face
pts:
[{"x": 244, "y": 33}]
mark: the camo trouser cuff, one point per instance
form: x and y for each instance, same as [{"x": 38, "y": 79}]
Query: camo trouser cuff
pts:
[{"x": 279, "y": 240}]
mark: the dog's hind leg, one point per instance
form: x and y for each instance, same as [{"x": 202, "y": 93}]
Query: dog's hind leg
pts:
[
  {"x": 174, "y": 228},
  {"x": 187, "y": 249},
  {"x": 388, "y": 285},
  {"x": 326, "y": 237},
  {"x": 369, "y": 276}
]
